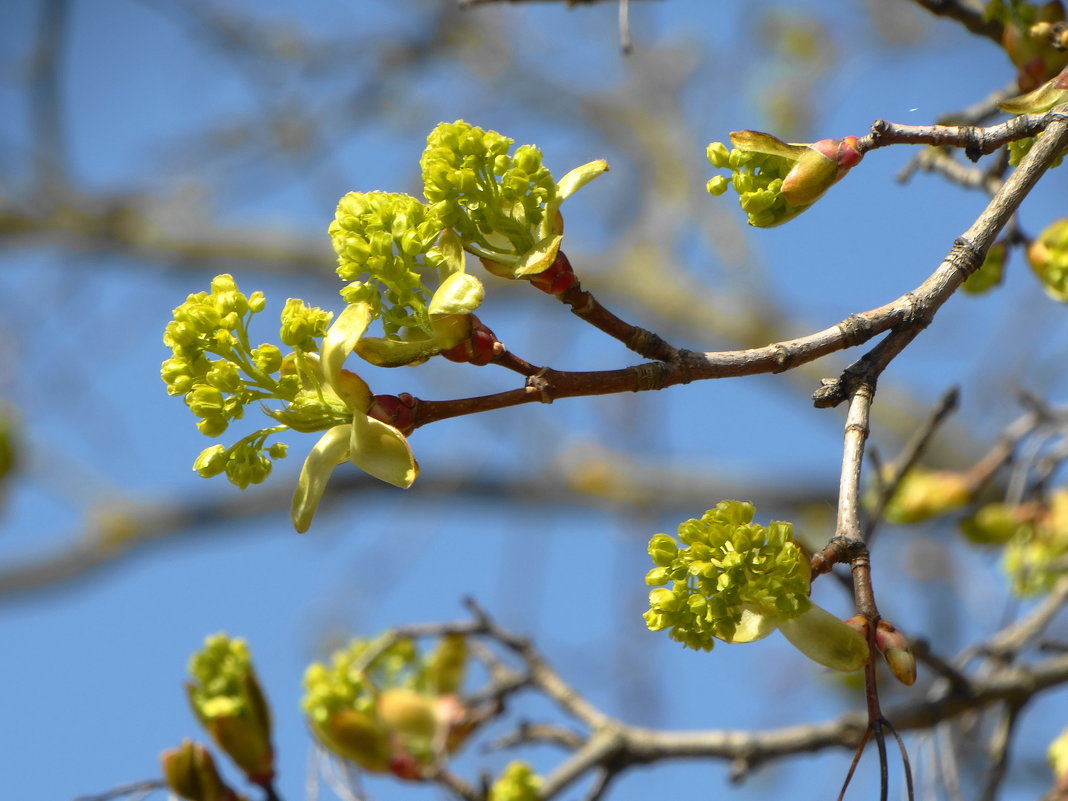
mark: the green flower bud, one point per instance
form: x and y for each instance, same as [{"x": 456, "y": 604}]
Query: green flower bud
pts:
[
  {"x": 302, "y": 324},
  {"x": 205, "y": 401},
  {"x": 224, "y": 376},
  {"x": 227, "y": 700},
  {"x": 211, "y": 462},
  {"x": 189, "y": 771},
  {"x": 267, "y": 358}
]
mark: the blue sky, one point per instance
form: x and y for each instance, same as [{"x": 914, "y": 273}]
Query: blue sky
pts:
[{"x": 93, "y": 669}]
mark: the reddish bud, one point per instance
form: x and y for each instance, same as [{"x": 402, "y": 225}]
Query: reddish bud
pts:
[
  {"x": 404, "y": 766},
  {"x": 480, "y": 347},
  {"x": 896, "y": 651},
  {"x": 557, "y": 278},
  {"x": 396, "y": 410}
]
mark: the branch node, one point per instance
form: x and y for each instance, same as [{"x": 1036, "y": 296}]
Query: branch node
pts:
[
  {"x": 965, "y": 256},
  {"x": 856, "y": 330},
  {"x": 783, "y": 358},
  {"x": 539, "y": 383},
  {"x": 973, "y": 142}
]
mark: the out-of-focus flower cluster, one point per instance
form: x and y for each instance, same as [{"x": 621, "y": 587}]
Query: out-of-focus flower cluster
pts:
[
  {"x": 1027, "y": 38},
  {"x": 387, "y": 708},
  {"x": 227, "y": 699},
  {"x": 1035, "y": 537},
  {"x": 518, "y": 782},
  {"x": 922, "y": 494}
]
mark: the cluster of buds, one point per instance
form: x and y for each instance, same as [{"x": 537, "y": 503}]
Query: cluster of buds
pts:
[
  {"x": 733, "y": 580},
  {"x": 315, "y": 391},
  {"x": 922, "y": 494},
  {"x": 1048, "y": 257},
  {"x": 404, "y": 264},
  {"x": 503, "y": 205},
  {"x": 517, "y": 782},
  {"x": 397, "y": 258},
  {"x": 775, "y": 181},
  {"x": 227, "y": 699},
  {"x": 388, "y": 709}
]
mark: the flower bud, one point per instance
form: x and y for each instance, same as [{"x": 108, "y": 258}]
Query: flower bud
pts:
[
  {"x": 518, "y": 782},
  {"x": 189, "y": 771},
  {"x": 356, "y": 737},
  {"x": 227, "y": 699},
  {"x": 447, "y": 664},
  {"x": 894, "y": 647},
  {"x": 211, "y": 462},
  {"x": 408, "y": 712}
]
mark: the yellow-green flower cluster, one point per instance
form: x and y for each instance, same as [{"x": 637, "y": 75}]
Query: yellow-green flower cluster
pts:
[
  {"x": 340, "y": 685},
  {"x": 518, "y": 782},
  {"x": 388, "y": 709},
  {"x": 495, "y": 200},
  {"x": 1048, "y": 257},
  {"x": 227, "y": 699},
  {"x": 385, "y": 245},
  {"x": 730, "y": 579},
  {"x": 214, "y": 365},
  {"x": 503, "y": 205},
  {"x": 775, "y": 181}
]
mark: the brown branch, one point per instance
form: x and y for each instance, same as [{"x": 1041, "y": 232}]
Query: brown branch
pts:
[
  {"x": 913, "y": 310},
  {"x": 974, "y": 140},
  {"x": 644, "y": 343}
]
